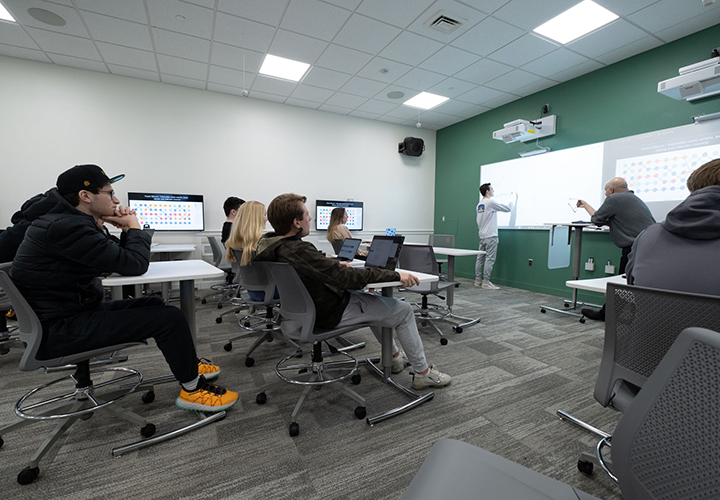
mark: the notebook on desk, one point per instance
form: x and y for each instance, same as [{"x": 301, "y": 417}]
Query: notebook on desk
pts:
[
  {"x": 384, "y": 252},
  {"x": 349, "y": 249}
]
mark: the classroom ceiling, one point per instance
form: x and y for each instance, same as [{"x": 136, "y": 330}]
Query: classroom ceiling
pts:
[{"x": 363, "y": 53}]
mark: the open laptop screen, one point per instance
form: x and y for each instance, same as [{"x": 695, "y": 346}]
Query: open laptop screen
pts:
[
  {"x": 384, "y": 252},
  {"x": 349, "y": 248}
]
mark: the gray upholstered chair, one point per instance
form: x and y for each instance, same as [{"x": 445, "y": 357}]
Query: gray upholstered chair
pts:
[
  {"x": 665, "y": 446},
  {"x": 227, "y": 288},
  {"x": 9, "y": 337},
  {"x": 441, "y": 240}
]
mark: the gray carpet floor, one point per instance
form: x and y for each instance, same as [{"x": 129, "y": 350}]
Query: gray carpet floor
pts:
[{"x": 511, "y": 372}]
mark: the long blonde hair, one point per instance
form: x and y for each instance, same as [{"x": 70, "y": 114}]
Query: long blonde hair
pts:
[
  {"x": 336, "y": 219},
  {"x": 246, "y": 231}
]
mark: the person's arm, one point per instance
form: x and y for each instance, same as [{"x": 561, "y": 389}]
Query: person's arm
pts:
[
  {"x": 602, "y": 215},
  {"x": 584, "y": 204},
  {"x": 499, "y": 207}
]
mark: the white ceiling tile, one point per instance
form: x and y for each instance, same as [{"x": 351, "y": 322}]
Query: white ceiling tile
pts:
[
  {"x": 310, "y": 93},
  {"x": 362, "y": 87},
  {"x": 384, "y": 70},
  {"x": 554, "y": 62},
  {"x": 576, "y": 71},
  {"x": 137, "y": 73},
  {"x": 479, "y": 95},
  {"x": 326, "y": 78},
  {"x": 523, "y": 50},
  {"x": 690, "y": 26},
  {"x": 58, "y": 43},
  {"x": 23, "y": 53},
  {"x": 383, "y": 94},
  {"x": 529, "y": 14},
  {"x": 181, "y": 17},
  {"x": 631, "y": 49},
  {"x": 230, "y": 77},
  {"x": 77, "y": 62},
  {"x": 355, "y": 34},
  {"x": 273, "y": 86},
  {"x": 516, "y": 79},
  {"x": 266, "y": 96},
  {"x": 434, "y": 115},
  {"x": 266, "y": 11},
  {"x": 390, "y": 119},
  {"x": 452, "y": 87},
  {"x": 624, "y": 7},
  {"x": 448, "y": 61},
  {"x": 607, "y": 39},
  {"x": 345, "y": 100},
  {"x": 345, "y": 4},
  {"x": 297, "y": 47},
  {"x": 419, "y": 79},
  {"x": 182, "y": 67},
  {"x": 488, "y": 36},
  {"x": 227, "y": 89},
  {"x": 502, "y": 100},
  {"x": 230, "y": 56},
  {"x": 179, "y": 45},
  {"x": 666, "y": 13},
  {"x": 483, "y": 71},
  {"x": 209, "y": 4},
  {"x": 364, "y": 114},
  {"x": 377, "y": 107},
  {"x": 404, "y": 113},
  {"x": 474, "y": 111},
  {"x": 293, "y": 101},
  {"x": 130, "y": 10},
  {"x": 400, "y": 13},
  {"x": 534, "y": 87},
  {"x": 13, "y": 34},
  {"x": 452, "y": 9},
  {"x": 410, "y": 48},
  {"x": 455, "y": 107},
  {"x": 73, "y": 22},
  {"x": 118, "y": 31},
  {"x": 335, "y": 109},
  {"x": 314, "y": 18},
  {"x": 127, "y": 56},
  {"x": 243, "y": 33},
  {"x": 343, "y": 59}
]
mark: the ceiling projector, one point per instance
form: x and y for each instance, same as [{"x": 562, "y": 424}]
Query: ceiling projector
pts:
[{"x": 517, "y": 130}]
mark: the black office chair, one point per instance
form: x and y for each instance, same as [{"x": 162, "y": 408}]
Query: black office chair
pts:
[{"x": 9, "y": 337}]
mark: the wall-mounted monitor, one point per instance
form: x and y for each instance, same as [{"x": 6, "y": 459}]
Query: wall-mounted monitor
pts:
[
  {"x": 354, "y": 210},
  {"x": 169, "y": 212}
]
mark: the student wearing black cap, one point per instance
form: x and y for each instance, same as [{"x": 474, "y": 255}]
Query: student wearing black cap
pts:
[{"x": 57, "y": 267}]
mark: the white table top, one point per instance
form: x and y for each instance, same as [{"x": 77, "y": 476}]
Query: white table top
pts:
[
  {"x": 424, "y": 278},
  {"x": 173, "y": 270},
  {"x": 455, "y": 252},
  {"x": 596, "y": 284},
  {"x": 571, "y": 224},
  {"x": 154, "y": 248}
]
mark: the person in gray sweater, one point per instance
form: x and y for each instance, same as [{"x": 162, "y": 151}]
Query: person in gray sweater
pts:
[
  {"x": 627, "y": 215},
  {"x": 681, "y": 253}
]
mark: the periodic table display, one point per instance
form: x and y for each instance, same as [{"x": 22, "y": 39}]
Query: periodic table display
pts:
[
  {"x": 168, "y": 212},
  {"x": 354, "y": 210}
]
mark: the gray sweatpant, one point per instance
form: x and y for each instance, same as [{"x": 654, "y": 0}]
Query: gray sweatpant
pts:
[
  {"x": 489, "y": 245},
  {"x": 387, "y": 312}
]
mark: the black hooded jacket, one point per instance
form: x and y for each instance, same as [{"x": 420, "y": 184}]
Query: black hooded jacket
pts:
[{"x": 11, "y": 238}]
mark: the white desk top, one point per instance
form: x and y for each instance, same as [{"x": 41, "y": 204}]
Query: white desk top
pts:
[
  {"x": 596, "y": 284},
  {"x": 173, "y": 270},
  {"x": 171, "y": 248},
  {"x": 455, "y": 252},
  {"x": 571, "y": 224},
  {"x": 424, "y": 278}
]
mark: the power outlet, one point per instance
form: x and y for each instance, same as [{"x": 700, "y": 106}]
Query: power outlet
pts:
[{"x": 530, "y": 262}]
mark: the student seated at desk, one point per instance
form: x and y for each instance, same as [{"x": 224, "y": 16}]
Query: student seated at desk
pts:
[
  {"x": 336, "y": 288},
  {"x": 57, "y": 267},
  {"x": 230, "y": 207},
  {"x": 337, "y": 230}
]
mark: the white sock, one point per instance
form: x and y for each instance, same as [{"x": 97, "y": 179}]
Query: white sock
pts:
[{"x": 192, "y": 385}]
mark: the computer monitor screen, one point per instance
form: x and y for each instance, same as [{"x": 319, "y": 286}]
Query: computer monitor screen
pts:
[
  {"x": 385, "y": 252},
  {"x": 169, "y": 212},
  {"x": 354, "y": 210}
]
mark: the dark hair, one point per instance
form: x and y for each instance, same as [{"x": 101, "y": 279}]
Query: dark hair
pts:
[
  {"x": 484, "y": 188},
  {"x": 232, "y": 203},
  {"x": 707, "y": 175},
  {"x": 283, "y": 211},
  {"x": 74, "y": 199}
]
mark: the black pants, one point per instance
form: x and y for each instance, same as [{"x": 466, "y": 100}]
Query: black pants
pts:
[
  {"x": 624, "y": 259},
  {"x": 123, "y": 321}
]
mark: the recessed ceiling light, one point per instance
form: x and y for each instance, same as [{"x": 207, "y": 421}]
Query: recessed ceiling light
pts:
[
  {"x": 5, "y": 15},
  {"x": 46, "y": 17},
  {"x": 285, "y": 69},
  {"x": 425, "y": 100},
  {"x": 576, "y": 22}
]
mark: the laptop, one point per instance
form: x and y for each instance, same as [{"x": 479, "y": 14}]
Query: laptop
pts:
[
  {"x": 384, "y": 252},
  {"x": 390, "y": 231},
  {"x": 349, "y": 249}
]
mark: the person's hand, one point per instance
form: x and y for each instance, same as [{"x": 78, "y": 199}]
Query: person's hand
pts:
[
  {"x": 345, "y": 263},
  {"x": 124, "y": 218},
  {"x": 409, "y": 280},
  {"x": 581, "y": 203}
]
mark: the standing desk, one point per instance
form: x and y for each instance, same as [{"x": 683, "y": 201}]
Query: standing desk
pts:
[
  {"x": 571, "y": 305},
  {"x": 597, "y": 284}
]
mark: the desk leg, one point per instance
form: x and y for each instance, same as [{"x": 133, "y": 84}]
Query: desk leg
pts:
[
  {"x": 450, "y": 277},
  {"x": 116, "y": 292},
  {"x": 187, "y": 305}
]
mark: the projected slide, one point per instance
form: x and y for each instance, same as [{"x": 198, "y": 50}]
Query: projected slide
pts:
[
  {"x": 168, "y": 212},
  {"x": 353, "y": 209}
]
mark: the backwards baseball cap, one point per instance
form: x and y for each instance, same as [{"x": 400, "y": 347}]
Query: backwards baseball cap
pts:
[{"x": 83, "y": 177}]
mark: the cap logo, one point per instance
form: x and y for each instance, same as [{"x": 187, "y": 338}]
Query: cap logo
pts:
[
  {"x": 87, "y": 183},
  {"x": 103, "y": 172}
]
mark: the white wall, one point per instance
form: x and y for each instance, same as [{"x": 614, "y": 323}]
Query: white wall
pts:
[{"x": 172, "y": 139}]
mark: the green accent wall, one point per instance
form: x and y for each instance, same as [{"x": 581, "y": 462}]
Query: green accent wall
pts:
[{"x": 615, "y": 101}]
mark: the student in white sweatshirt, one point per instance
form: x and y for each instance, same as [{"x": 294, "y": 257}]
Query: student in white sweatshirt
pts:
[{"x": 487, "y": 211}]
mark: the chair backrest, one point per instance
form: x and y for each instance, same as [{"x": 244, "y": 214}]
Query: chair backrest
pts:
[
  {"x": 442, "y": 240},
  {"x": 667, "y": 443},
  {"x": 420, "y": 258},
  {"x": 641, "y": 324},
  {"x": 255, "y": 277},
  {"x": 218, "y": 254},
  {"x": 337, "y": 245},
  {"x": 297, "y": 309}
]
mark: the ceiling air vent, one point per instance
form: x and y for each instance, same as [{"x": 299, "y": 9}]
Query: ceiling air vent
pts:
[{"x": 444, "y": 22}]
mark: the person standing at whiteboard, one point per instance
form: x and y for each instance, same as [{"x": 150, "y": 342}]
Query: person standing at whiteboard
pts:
[{"x": 487, "y": 211}]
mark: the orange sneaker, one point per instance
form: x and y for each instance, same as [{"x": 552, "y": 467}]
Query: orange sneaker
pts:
[
  {"x": 206, "y": 397},
  {"x": 207, "y": 369}
]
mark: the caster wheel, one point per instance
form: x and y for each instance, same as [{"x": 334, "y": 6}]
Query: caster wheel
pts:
[
  {"x": 585, "y": 467},
  {"x": 582, "y": 320},
  {"x": 249, "y": 362},
  {"x": 566, "y": 304},
  {"x": 218, "y": 320},
  {"x": 4, "y": 350},
  {"x": 203, "y": 301},
  {"x": 228, "y": 347},
  {"x": 303, "y": 370},
  {"x": 246, "y": 324},
  {"x": 423, "y": 323},
  {"x": 271, "y": 339},
  {"x": 543, "y": 311},
  {"x": 148, "y": 397},
  {"x": 294, "y": 430},
  {"x": 219, "y": 306},
  {"x": 443, "y": 341},
  {"x": 355, "y": 379},
  {"x": 28, "y": 475},
  {"x": 87, "y": 416},
  {"x": 261, "y": 398},
  {"x": 148, "y": 430},
  {"x": 360, "y": 412},
  {"x": 457, "y": 329},
  {"x": 1, "y": 442}
]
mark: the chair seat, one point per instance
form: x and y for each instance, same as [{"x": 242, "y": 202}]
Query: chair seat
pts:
[{"x": 84, "y": 356}]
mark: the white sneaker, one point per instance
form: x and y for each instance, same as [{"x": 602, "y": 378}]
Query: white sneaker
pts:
[
  {"x": 487, "y": 285},
  {"x": 400, "y": 362},
  {"x": 478, "y": 283},
  {"x": 433, "y": 378}
]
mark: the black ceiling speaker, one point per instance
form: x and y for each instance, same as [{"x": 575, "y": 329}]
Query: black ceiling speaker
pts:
[{"x": 411, "y": 146}]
